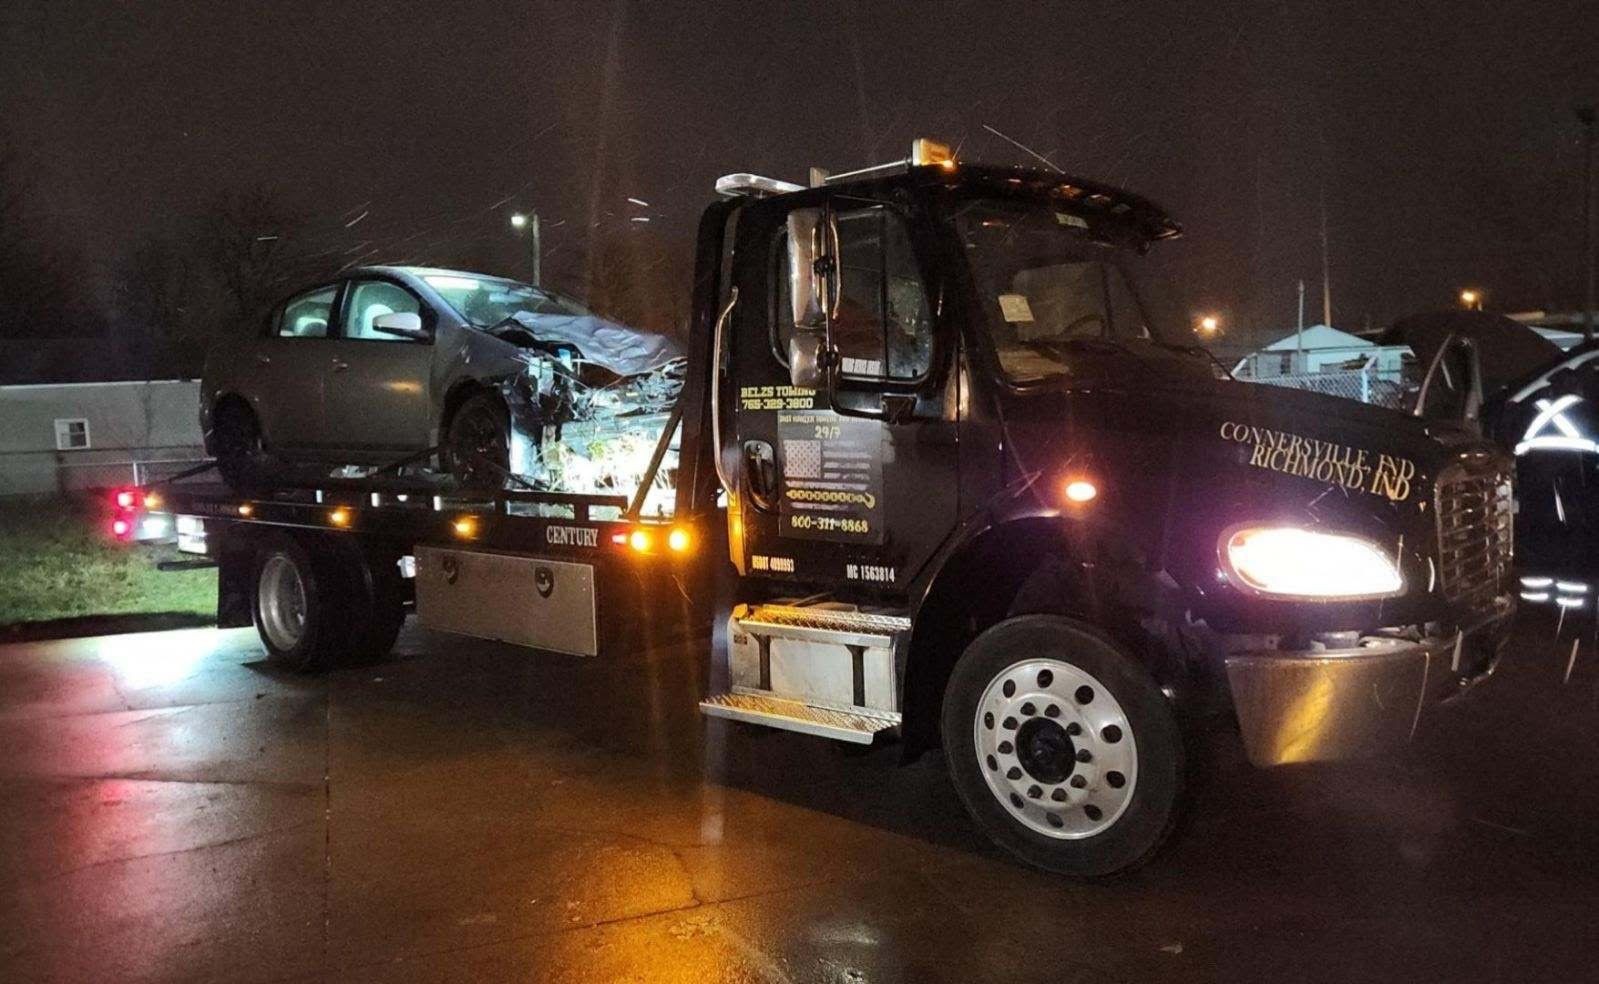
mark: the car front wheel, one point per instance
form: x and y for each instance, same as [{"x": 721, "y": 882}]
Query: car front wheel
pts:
[
  {"x": 478, "y": 443},
  {"x": 1061, "y": 747}
]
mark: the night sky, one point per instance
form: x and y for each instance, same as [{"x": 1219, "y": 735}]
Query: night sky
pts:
[{"x": 1440, "y": 134}]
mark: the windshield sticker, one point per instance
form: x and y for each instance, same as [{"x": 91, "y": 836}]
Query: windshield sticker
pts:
[
  {"x": 1075, "y": 221},
  {"x": 862, "y": 367},
  {"x": 1339, "y": 464},
  {"x": 1015, "y": 307}
]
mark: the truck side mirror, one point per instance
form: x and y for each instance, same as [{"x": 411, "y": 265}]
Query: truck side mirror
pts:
[
  {"x": 807, "y": 285},
  {"x": 805, "y": 350}
]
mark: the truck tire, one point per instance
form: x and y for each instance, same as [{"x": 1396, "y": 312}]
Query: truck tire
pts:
[
  {"x": 1061, "y": 747},
  {"x": 477, "y": 445},
  {"x": 299, "y": 602},
  {"x": 376, "y": 601}
]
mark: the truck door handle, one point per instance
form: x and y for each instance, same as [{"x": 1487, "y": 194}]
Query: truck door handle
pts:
[
  {"x": 760, "y": 474},
  {"x": 340, "y": 366},
  {"x": 265, "y": 360}
]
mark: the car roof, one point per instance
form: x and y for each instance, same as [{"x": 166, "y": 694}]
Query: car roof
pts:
[{"x": 420, "y": 272}]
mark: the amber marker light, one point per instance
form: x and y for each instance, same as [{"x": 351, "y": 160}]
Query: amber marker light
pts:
[
  {"x": 246, "y": 510},
  {"x": 639, "y": 540},
  {"x": 465, "y": 527},
  {"x": 1081, "y": 491},
  {"x": 678, "y": 541},
  {"x": 152, "y": 501},
  {"x": 339, "y": 517}
]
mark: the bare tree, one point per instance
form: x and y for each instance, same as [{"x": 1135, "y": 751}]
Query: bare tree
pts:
[{"x": 41, "y": 287}]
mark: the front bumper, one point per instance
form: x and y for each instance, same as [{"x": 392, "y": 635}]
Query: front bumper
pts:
[{"x": 1348, "y": 703}]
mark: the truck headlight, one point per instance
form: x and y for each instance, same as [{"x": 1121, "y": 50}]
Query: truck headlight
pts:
[{"x": 1290, "y": 562}]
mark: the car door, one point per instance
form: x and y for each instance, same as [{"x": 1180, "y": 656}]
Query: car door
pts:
[
  {"x": 283, "y": 379},
  {"x": 829, "y": 496},
  {"x": 376, "y": 386}
]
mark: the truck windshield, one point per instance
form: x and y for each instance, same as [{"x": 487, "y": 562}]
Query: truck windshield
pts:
[
  {"x": 487, "y": 301},
  {"x": 1048, "y": 284}
]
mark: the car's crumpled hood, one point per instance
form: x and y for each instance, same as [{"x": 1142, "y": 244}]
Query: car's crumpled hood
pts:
[{"x": 623, "y": 350}]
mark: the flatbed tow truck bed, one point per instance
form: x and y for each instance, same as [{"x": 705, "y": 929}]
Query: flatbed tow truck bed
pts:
[{"x": 550, "y": 570}]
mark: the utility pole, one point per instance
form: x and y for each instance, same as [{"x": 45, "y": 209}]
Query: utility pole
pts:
[
  {"x": 1585, "y": 115},
  {"x": 1326, "y": 266},
  {"x": 1299, "y": 333}
]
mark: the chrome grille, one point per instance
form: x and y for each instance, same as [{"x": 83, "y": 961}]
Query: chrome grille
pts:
[{"x": 1474, "y": 536}]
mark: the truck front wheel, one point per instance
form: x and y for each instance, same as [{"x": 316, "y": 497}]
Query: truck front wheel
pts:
[{"x": 1061, "y": 747}]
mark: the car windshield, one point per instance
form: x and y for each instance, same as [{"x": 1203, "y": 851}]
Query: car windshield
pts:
[
  {"x": 1048, "y": 284},
  {"x": 486, "y": 301}
]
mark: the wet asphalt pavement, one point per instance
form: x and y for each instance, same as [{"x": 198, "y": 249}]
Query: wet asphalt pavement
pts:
[{"x": 172, "y": 808}]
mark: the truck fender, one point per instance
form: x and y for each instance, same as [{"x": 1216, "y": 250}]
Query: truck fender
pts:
[{"x": 1043, "y": 562}]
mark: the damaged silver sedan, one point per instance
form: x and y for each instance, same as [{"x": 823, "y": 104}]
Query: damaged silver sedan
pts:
[{"x": 497, "y": 383}]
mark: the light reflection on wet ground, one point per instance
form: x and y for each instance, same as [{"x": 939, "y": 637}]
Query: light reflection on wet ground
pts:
[{"x": 171, "y": 808}]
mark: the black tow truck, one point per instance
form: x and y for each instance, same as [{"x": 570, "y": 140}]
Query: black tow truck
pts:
[{"x": 940, "y": 476}]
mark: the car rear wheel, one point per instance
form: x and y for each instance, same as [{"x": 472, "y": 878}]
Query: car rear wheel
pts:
[
  {"x": 236, "y": 443},
  {"x": 478, "y": 443},
  {"x": 1061, "y": 747}
]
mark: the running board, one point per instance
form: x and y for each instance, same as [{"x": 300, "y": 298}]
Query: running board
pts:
[
  {"x": 826, "y": 669},
  {"x": 793, "y": 715}
]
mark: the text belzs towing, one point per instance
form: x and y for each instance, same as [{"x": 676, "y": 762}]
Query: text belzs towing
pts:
[{"x": 953, "y": 483}]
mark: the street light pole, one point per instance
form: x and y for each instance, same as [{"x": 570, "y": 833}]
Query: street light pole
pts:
[
  {"x": 527, "y": 225},
  {"x": 1585, "y": 115}
]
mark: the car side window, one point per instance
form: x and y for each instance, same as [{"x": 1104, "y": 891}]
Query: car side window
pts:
[
  {"x": 367, "y": 299},
  {"x": 308, "y": 315}
]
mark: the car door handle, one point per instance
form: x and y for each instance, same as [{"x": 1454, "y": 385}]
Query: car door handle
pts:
[{"x": 340, "y": 366}]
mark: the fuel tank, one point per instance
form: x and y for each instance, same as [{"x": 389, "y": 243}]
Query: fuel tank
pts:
[{"x": 1182, "y": 458}]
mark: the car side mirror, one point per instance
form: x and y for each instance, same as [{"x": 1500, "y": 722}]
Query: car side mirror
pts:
[
  {"x": 401, "y": 324},
  {"x": 805, "y": 349}
]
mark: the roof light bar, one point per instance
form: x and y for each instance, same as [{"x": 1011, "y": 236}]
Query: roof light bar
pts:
[{"x": 753, "y": 185}]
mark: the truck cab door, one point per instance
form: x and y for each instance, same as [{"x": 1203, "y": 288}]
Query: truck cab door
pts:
[{"x": 842, "y": 499}]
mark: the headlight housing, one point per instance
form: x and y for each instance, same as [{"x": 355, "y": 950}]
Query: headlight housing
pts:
[{"x": 1293, "y": 562}]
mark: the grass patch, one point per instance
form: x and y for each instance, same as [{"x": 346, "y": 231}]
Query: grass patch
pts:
[{"x": 60, "y": 561}]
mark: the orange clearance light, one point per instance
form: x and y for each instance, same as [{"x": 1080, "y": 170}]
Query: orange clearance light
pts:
[
  {"x": 678, "y": 541},
  {"x": 152, "y": 501},
  {"x": 619, "y": 538},
  {"x": 339, "y": 517},
  {"x": 126, "y": 499},
  {"x": 1081, "y": 491},
  {"x": 465, "y": 527},
  {"x": 639, "y": 540},
  {"x": 246, "y": 510}
]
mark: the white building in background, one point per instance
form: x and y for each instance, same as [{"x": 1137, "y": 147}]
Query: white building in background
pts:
[
  {"x": 59, "y": 437},
  {"x": 1320, "y": 349}
]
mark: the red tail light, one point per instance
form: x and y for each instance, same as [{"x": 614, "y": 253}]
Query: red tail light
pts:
[
  {"x": 121, "y": 528},
  {"x": 125, "y": 498}
]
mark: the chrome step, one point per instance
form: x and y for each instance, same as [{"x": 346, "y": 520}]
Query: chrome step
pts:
[
  {"x": 824, "y": 623},
  {"x": 793, "y": 715}
]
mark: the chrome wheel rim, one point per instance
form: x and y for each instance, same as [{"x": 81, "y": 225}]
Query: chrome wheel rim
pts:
[
  {"x": 282, "y": 602},
  {"x": 1056, "y": 749}
]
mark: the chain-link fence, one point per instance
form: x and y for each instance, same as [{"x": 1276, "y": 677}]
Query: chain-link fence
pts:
[{"x": 1383, "y": 388}]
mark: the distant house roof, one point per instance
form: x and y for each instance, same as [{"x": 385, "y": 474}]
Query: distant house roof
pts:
[{"x": 1318, "y": 337}]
